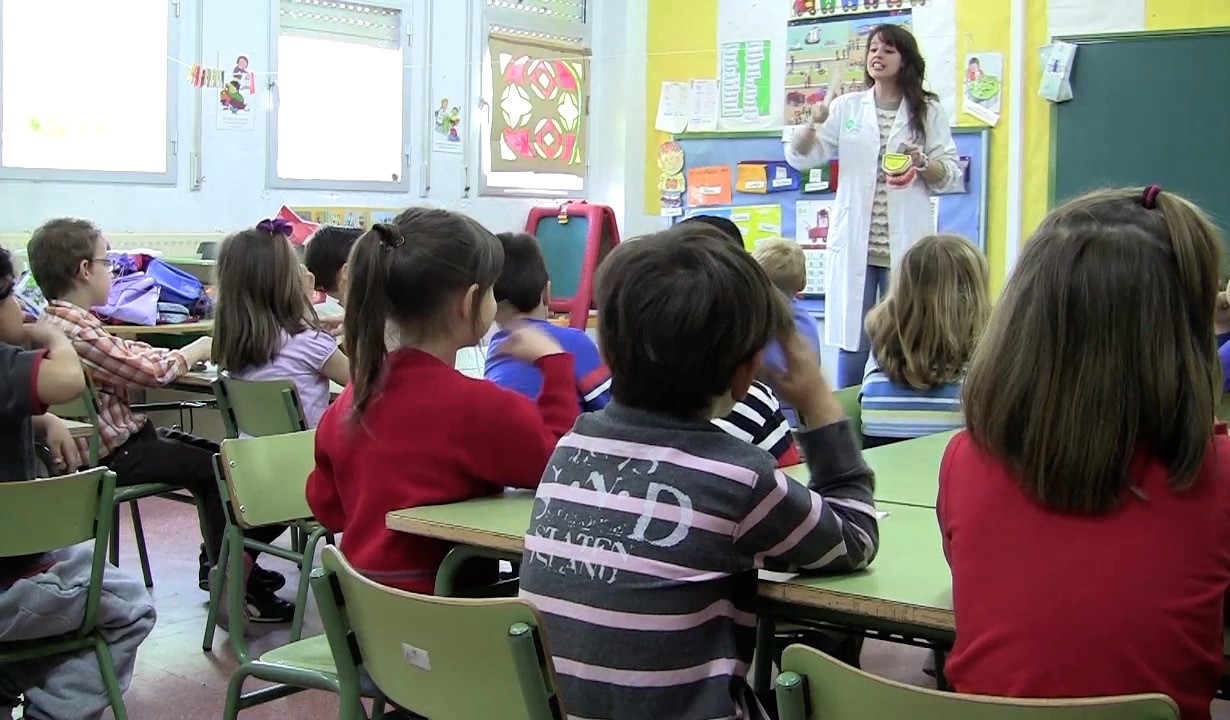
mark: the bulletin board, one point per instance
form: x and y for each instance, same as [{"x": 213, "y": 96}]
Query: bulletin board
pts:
[
  {"x": 355, "y": 217},
  {"x": 963, "y": 214}
]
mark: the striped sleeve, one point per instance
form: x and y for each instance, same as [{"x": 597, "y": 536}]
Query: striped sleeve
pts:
[
  {"x": 758, "y": 419},
  {"x": 829, "y": 525}
]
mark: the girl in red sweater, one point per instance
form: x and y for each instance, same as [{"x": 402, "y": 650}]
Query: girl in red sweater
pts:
[
  {"x": 411, "y": 430},
  {"x": 1086, "y": 511}
]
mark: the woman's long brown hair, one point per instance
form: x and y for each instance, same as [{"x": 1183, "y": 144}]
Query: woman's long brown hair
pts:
[
  {"x": 260, "y": 297},
  {"x": 1102, "y": 347},
  {"x": 924, "y": 332},
  {"x": 405, "y": 273},
  {"x": 909, "y": 78}
]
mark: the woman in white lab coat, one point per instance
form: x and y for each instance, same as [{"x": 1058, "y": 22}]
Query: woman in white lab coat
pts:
[{"x": 874, "y": 221}]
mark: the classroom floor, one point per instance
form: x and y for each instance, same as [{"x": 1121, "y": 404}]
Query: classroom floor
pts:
[{"x": 172, "y": 668}]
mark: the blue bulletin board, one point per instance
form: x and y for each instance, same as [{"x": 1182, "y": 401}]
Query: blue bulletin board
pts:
[{"x": 963, "y": 213}]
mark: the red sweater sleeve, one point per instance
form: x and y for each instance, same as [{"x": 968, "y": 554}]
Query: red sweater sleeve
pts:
[
  {"x": 519, "y": 434},
  {"x": 322, "y": 495}
]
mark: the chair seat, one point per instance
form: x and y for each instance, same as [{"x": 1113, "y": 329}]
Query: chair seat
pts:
[
  {"x": 144, "y": 490},
  {"x": 307, "y": 654}
]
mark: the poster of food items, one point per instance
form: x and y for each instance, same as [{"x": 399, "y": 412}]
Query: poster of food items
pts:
[{"x": 826, "y": 46}]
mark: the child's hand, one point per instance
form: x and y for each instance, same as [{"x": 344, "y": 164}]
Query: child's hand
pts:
[
  {"x": 42, "y": 334},
  {"x": 64, "y": 455},
  {"x": 803, "y": 386},
  {"x": 527, "y": 343}
]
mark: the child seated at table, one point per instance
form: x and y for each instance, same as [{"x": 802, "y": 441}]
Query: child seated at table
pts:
[
  {"x": 325, "y": 257},
  {"x": 410, "y": 429},
  {"x": 264, "y": 324},
  {"x": 521, "y": 295},
  {"x": 68, "y": 259},
  {"x": 1086, "y": 510},
  {"x": 757, "y": 417},
  {"x": 42, "y": 595},
  {"x": 923, "y": 334},
  {"x": 650, "y": 524},
  {"x": 784, "y": 263}
]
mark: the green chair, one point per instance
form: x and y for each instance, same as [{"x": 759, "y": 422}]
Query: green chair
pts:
[
  {"x": 39, "y": 516},
  {"x": 848, "y": 397},
  {"x": 1223, "y": 409},
  {"x": 85, "y": 409},
  {"x": 813, "y": 685},
  {"x": 263, "y": 481},
  {"x": 258, "y": 407}
]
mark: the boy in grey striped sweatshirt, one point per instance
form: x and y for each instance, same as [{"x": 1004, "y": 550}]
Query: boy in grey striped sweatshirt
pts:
[{"x": 650, "y": 522}]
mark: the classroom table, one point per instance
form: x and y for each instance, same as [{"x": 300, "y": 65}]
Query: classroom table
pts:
[
  {"x": 79, "y": 430},
  {"x": 202, "y": 382},
  {"x": 907, "y": 473},
  {"x": 141, "y": 332}
]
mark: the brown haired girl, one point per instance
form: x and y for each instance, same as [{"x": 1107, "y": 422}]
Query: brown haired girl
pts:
[
  {"x": 1086, "y": 512},
  {"x": 264, "y": 326},
  {"x": 410, "y": 429},
  {"x": 877, "y": 216},
  {"x": 922, "y": 338}
]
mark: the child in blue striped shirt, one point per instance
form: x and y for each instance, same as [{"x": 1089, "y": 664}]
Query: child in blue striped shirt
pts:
[{"x": 923, "y": 335}]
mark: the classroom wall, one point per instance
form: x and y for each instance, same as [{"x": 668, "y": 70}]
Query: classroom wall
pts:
[{"x": 234, "y": 194}]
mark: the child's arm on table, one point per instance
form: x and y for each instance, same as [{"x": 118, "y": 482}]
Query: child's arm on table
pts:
[{"x": 830, "y": 524}]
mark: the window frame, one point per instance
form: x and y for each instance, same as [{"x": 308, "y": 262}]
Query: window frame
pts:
[
  {"x": 494, "y": 17},
  {"x": 169, "y": 177},
  {"x": 409, "y": 107}
]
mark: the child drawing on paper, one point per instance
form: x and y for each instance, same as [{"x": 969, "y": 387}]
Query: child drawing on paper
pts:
[
  {"x": 974, "y": 71},
  {"x": 231, "y": 98}
]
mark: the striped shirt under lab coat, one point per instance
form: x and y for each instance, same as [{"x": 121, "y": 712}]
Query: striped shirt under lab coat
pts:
[
  {"x": 896, "y": 410},
  {"x": 643, "y": 548}
]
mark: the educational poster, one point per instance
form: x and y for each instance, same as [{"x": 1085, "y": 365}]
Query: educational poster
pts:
[
  {"x": 982, "y": 96},
  {"x": 356, "y": 217},
  {"x": 745, "y": 80},
  {"x": 811, "y": 231},
  {"x": 446, "y": 130},
  {"x": 830, "y": 50},
  {"x": 671, "y": 182},
  {"x": 672, "y": 107},
  {"x": 703, "y": 106},
  {"x": 237, "y": 96},
  {"x": 757, "y": 222},
  {"x": 709, "y": 186}
]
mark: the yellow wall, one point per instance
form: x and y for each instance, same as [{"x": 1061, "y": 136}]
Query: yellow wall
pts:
[{"x": 682, "y": 44}]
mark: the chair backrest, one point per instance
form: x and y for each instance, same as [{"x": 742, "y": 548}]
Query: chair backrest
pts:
[
  {"x": 814, "y": 685},
  {"x": 258, "y": 407},
  {"x": 443, "y": 658},
  {"x": 848, "y": 397},
  {"x": 38, "y": 516},
  {"x": 84, "y": 409},
  {"x": 1223, "y": 409},
  {"x": 266, "y": 477}
]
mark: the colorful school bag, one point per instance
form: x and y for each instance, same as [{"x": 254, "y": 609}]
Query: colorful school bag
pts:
[
  {"x": 133, "y": 300},
  {"x": 575, "y": 237}
]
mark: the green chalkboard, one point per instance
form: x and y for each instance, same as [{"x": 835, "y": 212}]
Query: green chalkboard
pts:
[{"x": 1147, "y": 108}]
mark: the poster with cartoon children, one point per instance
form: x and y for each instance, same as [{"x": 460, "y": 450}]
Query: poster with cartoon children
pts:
[
  {"x": 236, "y": 97},
  {"x": 446, "y": 129}
]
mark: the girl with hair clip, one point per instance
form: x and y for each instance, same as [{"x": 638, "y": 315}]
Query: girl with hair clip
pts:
[
  {"x": 410, "y": 429},
  {"x": 265, "y": 327},
  {"x": 1086, "y": 511},
  {"x": 922, "y": 338}
]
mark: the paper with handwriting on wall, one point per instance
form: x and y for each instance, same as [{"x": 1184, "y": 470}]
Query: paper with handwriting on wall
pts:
[
  {"x": 672, "y": 108},
  {"x": 703, "y": 106}
]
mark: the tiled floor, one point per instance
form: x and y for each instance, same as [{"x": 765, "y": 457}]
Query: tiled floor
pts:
[{"x": 174, "y": 678}]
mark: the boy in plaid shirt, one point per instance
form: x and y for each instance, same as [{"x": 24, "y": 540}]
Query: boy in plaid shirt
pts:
[{"x": 68, "y": 259}]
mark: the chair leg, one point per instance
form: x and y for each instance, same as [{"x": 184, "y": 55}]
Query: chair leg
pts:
[
  {"x": 106, "y": 666},
  {"x": 216, "y": 575},
  {"x": 142, "y": 552},
  {"x": 235, "y": 590},
  {"x": 305, "y": 572},
  {"x": 115, "y": 536},
  {"x": 234, "y": 691}
]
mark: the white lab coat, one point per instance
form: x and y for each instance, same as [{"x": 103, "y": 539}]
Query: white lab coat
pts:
[{"x": 852, "y": 133}]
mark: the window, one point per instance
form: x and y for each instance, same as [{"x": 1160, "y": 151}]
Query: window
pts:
[
  {"x": 340, "y": 86},
  {"x": 87, "y": 90},
  {"x": 535, "y": 85}
]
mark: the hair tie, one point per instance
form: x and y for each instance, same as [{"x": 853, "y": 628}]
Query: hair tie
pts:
[
  {"x": 276, "y": 226},
  {"x": 1149, "y": 199},
  {"x": 390, "y": 239}
]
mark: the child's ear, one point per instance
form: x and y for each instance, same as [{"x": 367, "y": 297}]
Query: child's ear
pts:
[
  {"x": 546, "y": 294},
  {"x": 744, "y": 375},
  {"x": 466, "y": 309}
]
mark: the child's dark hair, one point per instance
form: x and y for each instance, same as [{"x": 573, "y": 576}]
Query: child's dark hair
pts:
[
  {"x": 57, "y": 249},
  {"x": 1102, "y": 347},
  {"x": 260, "y": 296},
  {"x": 724, "y": 225},
  {"x": 7, "y": 280},
  {"x": 327, "y": 251},
  {"x": 406, "y": 273},
  {"x": 678, "y": 313},
  {"x": 524, "y": 276}
]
